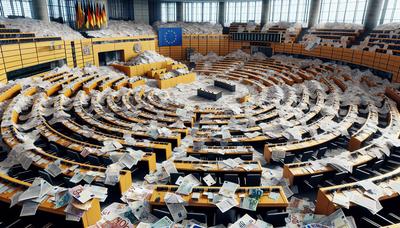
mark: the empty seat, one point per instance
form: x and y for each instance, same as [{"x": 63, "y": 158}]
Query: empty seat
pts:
[
  {"x": 313, "y": 181},
  {"x": 46, "y": 176},
  {"x": 231, "y": 177},
  {"x": 288, "y": 159},
  {"x": 276, "y": 219},
  {"x": 174, "y": 177},
  {"x": 73, "y": 155},
  {"x": 246, "y": 157},
  {"x": 307, "y": 155},
  {"x": 93, "y": 160},
  {"x": 225, "y": 218},
  {"x": 337, "y": 178},
  {"x": 106, "y": 161},
  {"x": 253, "y": 179},
  {"x": 199, "y": 217}
]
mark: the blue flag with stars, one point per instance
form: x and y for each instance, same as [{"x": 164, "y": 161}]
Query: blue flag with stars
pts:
[{"x": 169, "y": 37}]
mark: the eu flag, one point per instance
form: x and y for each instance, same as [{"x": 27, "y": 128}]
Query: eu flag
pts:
[{"x": 169, "y": 37}]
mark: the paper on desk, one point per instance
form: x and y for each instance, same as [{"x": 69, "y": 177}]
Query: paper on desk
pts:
[
  {"x": 245, "y": 221},
  {"x": 209, "y": 180},
  {"x": 163, "y": 223},
  {"x": 228, "y": 189},
  {"x": 15, "y": 199},
  {"x": 187, "y": 185},
  {"x": 178, "y": 211},
  {"x": 173, "y": 198},
  {"x": 370, "y": 204},
  {"x": 54, "y": 169},
  {"x": 336, "y": 219},
  {"x": 128, "y": 161},
  {"x": 226, "y": 203},
  {"x": 169, "y": 167},
  {"x": 262, "y": 224},
  {"x": 62, "y": 198},
  {"x": 249, "y": 203},
  {"x": 341, "y": 200},
  {"x": 29, "y": 208},
  {"x": 78, "y": 177},
  {"x": 80, "y": 193},
  {"x": 277, "y": 155}
]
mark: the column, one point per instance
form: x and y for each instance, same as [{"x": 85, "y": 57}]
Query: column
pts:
[
  {"x": 265, "y": 11},
  {"x": 154, "y": 11},
  {"x": 372, "y": 14},
  {"x": 40, "y": 11},
  {"x": 314, "y": 12},
  {"x": 179, "y": 11},
  {"x": 221, "y": 13}
]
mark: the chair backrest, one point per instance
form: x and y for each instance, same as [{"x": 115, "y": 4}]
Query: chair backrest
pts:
[
  {"x": 322, "y": 151},
  {"x": 315, "y": 179},
  {"x": 199, "y": 217},
  {"x": 339, "y": 177},
  {"x": 247, "y": 157},
  {"x": 378, "y": 164},
  {"x": 94, "y": 160},
  {"x": 276, "y": 218},
  {"x": 359, "y": 173},
  {"x": 46, "y": 176},
  {"x": 74, "y": 155},
  {"x": 289, "y": 158},
  {"x": 253, "y": 179},
  {"x": 307, "y": 155},
  {"x": 54, "y": 148},
  {"x": 232, "y": 177},
  {"x": 107, "y": 161},
  {"x": 225, "y": 218}
]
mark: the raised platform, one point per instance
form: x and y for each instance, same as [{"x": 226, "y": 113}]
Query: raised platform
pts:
[
  {"x": 225, "y": 85},
  {"x": 209, "y": 94}
]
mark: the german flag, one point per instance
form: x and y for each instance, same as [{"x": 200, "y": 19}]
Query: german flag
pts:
[{"x": 104, "y": 15}]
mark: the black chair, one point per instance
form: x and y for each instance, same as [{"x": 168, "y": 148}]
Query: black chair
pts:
[
  {"x": 307, "y": 156},
  {"x": 225, "y": 218},
  {"x": 337, "y": 178},
  {"x": 313, "y": 181},
  {"x": 199, "y": 217},
  {"x": 174, "y": 177},
  {"x": 288, "y": 159},
  {"x": 46, "y": 177},
  {"x": 93, "y": 160},
  {"x": 360, "y": 174},
  {"x": 197, "y": 175},
  {"x": 211, "y": 157},
  {"x": 277, "y": 219},
  {"x": 246, "y": 157},
  {"x": 253, "y": 179},
  {"x": 106, "y": 161},
  {"x": 78, "y": 137},
  {"x": 232, "y": 177},
  {"x": 53, "y": 149},
  {"x": 73, "y": 155},
  {"x": 321, "y": 152}
]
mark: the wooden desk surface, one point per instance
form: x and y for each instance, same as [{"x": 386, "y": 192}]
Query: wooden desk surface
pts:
[
  {"x": 90, "y": 217},
  {"x": 157, "y": 198},
  {"x": 214, "y": 166},
  {"x": 325, "y": 203}
]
